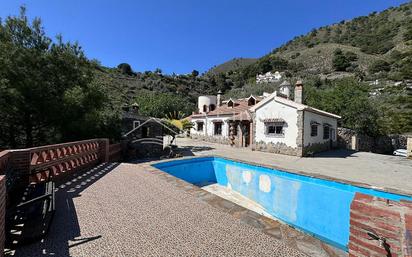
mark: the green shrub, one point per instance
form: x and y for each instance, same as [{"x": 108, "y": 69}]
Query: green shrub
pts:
[
  {"x": 125, "y": 68},
  {"x": 340, "y": 62},
  {"x": 379, "y": 66}
]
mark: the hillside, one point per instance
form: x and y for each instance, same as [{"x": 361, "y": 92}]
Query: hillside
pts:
[
  {"x": 367, "y": 48},
  {"x": 124, "y": 88},
  {"x": 377, "y": 46},
  {"x": 381, "y": 36},
  {"x": 232, "y": 65}
]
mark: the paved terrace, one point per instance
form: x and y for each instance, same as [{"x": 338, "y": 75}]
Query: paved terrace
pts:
[
  {"x": 136, "y": 210},
  {"x": 390, "y": 173}
]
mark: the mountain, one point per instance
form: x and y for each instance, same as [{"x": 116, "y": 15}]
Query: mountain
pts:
[
  {"x": 377, "y": 46},
  {"x": 374, "y": 50},
  {"x": 376, "y": 38}
]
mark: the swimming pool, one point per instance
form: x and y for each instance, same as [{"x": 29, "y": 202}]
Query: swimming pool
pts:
[{"x": 317, "y": 206}]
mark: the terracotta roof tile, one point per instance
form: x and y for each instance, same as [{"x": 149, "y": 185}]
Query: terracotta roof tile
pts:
[{"x": 239, "y": 106}]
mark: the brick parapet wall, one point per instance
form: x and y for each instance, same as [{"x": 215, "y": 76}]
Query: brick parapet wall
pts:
[
  {"x": 380, "y": 227},
  {"x": 16, "y": 165},
  {"x": 4, "y": 161},
  {"x": 104, "y": 151},
  {"x": 20, "y": 165},
  {"x": 115, "y": 152}
]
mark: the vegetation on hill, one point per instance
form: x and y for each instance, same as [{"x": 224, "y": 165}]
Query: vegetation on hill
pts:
[
  {"x": 232, "y": 65},
  {"x": 155, "y": 104},
  {"x": 328, "y": 56},
  {"x": 375, "y": 37},
  {"x": 367, "y": 48},
  {"x": 50, "y": 92}
]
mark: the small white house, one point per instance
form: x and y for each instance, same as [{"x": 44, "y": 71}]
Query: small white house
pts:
[
  {"x": 268, "y": 77},
  {"x": 271, "y": 123}
]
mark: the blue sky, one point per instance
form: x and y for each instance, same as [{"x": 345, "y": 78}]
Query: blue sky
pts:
[{"x": 182, "y": 35}]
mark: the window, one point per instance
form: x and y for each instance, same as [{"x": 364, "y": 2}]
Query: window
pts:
[
  {"x": 230, "y": 103},
  {"x": 218, "y": 128},
  {"x": 145, "y": 131},
  {"x": 274, "y": 129},
  {"x": 251, "y": 101},
  {"x": 326, "y": 132},
  {"x": 212, "y": 107},
  {"x": 205, "y": 108},
  {"x": 314, "y": 130},
  {"x": 136, "y": 124},
  {"x": 200, "y": 126}
]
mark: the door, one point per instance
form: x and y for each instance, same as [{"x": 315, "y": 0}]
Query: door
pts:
[{"x": 246, "y": 133}]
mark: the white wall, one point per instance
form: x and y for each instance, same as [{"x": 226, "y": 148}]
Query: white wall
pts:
[
  {"x": 308, "y": 118},
  {"x": 272, "y": 110},
  {"x": 205, "y": 100},
  {"x": 208, "y": 126},
  {"x": 211, "y": 126},
  {"x": 193, "y": 131}
]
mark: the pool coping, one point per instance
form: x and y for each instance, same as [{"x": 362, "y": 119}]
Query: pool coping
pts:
[
  {"x": 298, "y": 172},
  {"x": 265, "y": 224}
]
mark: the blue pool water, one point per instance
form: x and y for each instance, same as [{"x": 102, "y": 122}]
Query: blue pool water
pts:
[{"x": 319, "y": 207}]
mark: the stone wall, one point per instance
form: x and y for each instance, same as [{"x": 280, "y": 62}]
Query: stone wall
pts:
[
  {"x": 344, "y": 137},
  {"x": 299, "y": 138},
  {"x": 349, "y": 139},
  {"x": 279, "y": 148},
  {"x": 380, "y": 227},
  {"x": 214, "y": 139},
  {"x": 399, "y": 141}
]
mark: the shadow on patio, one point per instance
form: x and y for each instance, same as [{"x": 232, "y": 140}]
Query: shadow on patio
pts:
[
  {"x": 65, "y": 226},
  {"x": 190, "y": 150},
  {"x": 339, "y": 153}
]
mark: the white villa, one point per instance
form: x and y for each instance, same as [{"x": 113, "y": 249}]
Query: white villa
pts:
[
  {"x": 272, "y": 123},
  {"x": 268, "y": 77}
]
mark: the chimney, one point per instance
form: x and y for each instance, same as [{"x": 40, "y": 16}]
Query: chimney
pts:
[
  {"x": 299, "y": 92},
  {"x": 284, "y": 89},
  {"x": 135, "y": 107},
  {"x": 219, "y": 98}
]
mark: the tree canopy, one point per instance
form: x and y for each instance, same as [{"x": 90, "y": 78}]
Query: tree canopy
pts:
[
  {"x": 159, "y": 105},
  {"x": 349, "y": 99},
  {"x": 47, "y": 93}
]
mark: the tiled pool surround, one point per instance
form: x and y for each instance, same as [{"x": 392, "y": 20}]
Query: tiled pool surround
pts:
[{"x": 318, "y": 206}]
